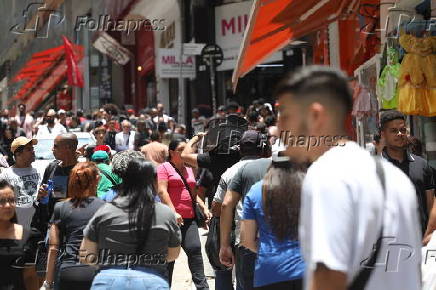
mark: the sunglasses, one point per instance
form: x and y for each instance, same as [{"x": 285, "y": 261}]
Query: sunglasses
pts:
[{"x": 10, "y": 200}]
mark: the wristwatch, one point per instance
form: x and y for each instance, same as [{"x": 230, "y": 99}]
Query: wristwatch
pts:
[{"x": 48, "y": 285}]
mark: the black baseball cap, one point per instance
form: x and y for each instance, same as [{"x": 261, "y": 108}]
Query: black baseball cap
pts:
[{"x": 250, "y": 138}]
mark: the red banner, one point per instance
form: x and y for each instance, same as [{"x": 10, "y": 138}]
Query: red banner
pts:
[{"x": 75, "y": 77}]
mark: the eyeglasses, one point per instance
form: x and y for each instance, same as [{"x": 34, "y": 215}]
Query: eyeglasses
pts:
[
  {"x": 10, "y": 200},
  {"x": 400, "y": 130}
]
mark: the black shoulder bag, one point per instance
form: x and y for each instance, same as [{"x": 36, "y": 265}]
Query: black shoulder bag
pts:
[
  {"x": 110, "y": 178},
  {"x": 362, "y": 278},
  {"x": 199, "y": 216}
]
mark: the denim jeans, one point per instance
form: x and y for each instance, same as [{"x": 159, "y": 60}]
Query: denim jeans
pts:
[
  {"x": 122, "y": 279},
  {"x": 245, "y": 261},
  {"x": 192, "y": 247},
  {"x": 223, "y": 280}
]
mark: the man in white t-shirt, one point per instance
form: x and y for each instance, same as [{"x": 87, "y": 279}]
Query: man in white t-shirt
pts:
[
  {"x": 52, "y": 128},
  {"x": 24, "y": 178},
  {"x": 342, "y": 204},
  {"x": 160, "y": 113}
]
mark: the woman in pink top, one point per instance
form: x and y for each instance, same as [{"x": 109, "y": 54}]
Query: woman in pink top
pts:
[{"x": 173, "y": 192}]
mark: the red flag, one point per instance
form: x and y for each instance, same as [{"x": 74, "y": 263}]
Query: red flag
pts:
[{"x": 75, "y": 77}]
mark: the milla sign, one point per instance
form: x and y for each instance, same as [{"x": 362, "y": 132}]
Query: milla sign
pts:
[
  {"x": 168, "y": 64},
  {"x": 230, "y": 23}
]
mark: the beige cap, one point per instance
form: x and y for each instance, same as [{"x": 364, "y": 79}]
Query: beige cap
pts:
[{"x": 21, "y": 141}]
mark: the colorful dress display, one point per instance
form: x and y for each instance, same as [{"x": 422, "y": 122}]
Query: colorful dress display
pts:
[
  {"x": 417, "y": 83},
  {"x": 387, "y": 91}
]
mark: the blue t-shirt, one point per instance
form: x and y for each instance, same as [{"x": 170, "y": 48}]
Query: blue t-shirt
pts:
[
  {"x": 109, "y": 196},
  {"x": 276, "y": 261}
]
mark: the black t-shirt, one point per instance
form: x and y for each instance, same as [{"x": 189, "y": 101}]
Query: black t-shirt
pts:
[
  {"x": 60, "y": 176},
  {"x": 71, "y": 222},
  {"x": 110, "y": 139},
  {"x": 217, "y": 163},
  {"x": 421, "y": 175},
  {"x": 141, "y": 139},
  {"x": 14, "y": 256}
]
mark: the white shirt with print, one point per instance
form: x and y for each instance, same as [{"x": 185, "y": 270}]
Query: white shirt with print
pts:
[{"x": 26, "y": 182}]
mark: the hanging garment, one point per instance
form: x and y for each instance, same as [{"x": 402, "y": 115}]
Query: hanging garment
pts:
[
  {"x": 417, "y": 84},
  {"x": 362, "y": 101},
  {"x": 387, "y": 84}
]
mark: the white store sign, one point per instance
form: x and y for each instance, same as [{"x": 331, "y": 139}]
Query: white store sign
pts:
[
  {"x": 230, "y": 23},
  {"x": 168, "y": 64}
]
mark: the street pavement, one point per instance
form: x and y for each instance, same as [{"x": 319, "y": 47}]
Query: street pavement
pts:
[{"x": 182, "y": 276}]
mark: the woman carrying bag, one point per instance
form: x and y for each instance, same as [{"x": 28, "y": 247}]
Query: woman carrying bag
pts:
[{"x": 176, "y": 188}]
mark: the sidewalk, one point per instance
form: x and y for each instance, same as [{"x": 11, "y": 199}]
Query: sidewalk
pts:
[{"x": 182, "y": 276}]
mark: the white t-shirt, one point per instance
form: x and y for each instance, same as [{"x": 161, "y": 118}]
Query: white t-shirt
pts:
[
  {"x": 221, "y": 190},
  {"x": 198, "y": 124},
  {"x": 26, "y": 182},
  {"x": 56, "y": 130},
  {"x": 340, "y": 219},
  {"x": 165, "y": 117}
]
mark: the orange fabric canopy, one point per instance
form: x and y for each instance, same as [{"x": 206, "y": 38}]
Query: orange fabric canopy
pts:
[
  {"x": 41, "y": 74},
  {"x": 275, "y": 23},
  {"x": 44, "y": 89}
]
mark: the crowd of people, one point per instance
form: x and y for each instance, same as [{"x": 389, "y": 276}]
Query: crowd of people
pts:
[{"x": 279, "y": 216}]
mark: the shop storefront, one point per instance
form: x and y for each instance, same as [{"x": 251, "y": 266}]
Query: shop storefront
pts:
[
  {"x": 402, "y": 76},
  {"x": 230, "y": 23}
]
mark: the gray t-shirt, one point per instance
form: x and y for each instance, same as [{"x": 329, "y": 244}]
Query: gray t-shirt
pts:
[
  {"x": 221, "y": 190},
  {"x": 109, "y": 228},
  {"x": 25, "y": 182},
  {"x": 245, "y": 177},
  {"x": 248, "y": 175}
]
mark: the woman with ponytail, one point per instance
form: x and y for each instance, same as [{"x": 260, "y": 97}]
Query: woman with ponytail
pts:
[
  {"x": 66, "y": 230},
  {"x": 270, "y": 227},
  {"x": 132, "y": 238}
]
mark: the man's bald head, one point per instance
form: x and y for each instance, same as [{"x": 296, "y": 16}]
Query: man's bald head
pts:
[
  {"x": 68, "y": 140},
  {"x": 64, "y": 148}
]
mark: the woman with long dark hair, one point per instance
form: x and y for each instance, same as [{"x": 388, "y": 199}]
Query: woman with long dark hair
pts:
[
  {"x": 177, "y": 190},
  {"x": 271, "y": 210},
  {"x": 132, "y": 232},
  {"x": 66, "y": 231},
  {"x": 17, "y": 245}
]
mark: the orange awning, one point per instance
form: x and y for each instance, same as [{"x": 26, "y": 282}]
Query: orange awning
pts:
[
  {"x": 41, "y": 74},
  {"x": 275, "y": 23},
  {"x": 44, "y": 89}
]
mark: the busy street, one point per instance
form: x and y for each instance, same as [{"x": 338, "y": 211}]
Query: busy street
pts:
[{"x": 218, "y": 144}]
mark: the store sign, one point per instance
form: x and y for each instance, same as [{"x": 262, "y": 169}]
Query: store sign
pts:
[
  {"x": 193, "y": 48},
  {"x": 109, "y": 46},
  {"x": 230, "y": 23},
  {"x": 169, "y": 64}
]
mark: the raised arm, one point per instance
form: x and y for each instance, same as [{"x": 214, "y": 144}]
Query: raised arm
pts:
[{"x": 188, "y": 155}]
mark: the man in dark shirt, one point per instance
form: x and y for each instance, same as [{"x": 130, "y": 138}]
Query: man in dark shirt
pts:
[
  {"x": 215, "y": 162},
  {"x": 394, "y": 132},
  {"x": 64, "y": 150}
]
